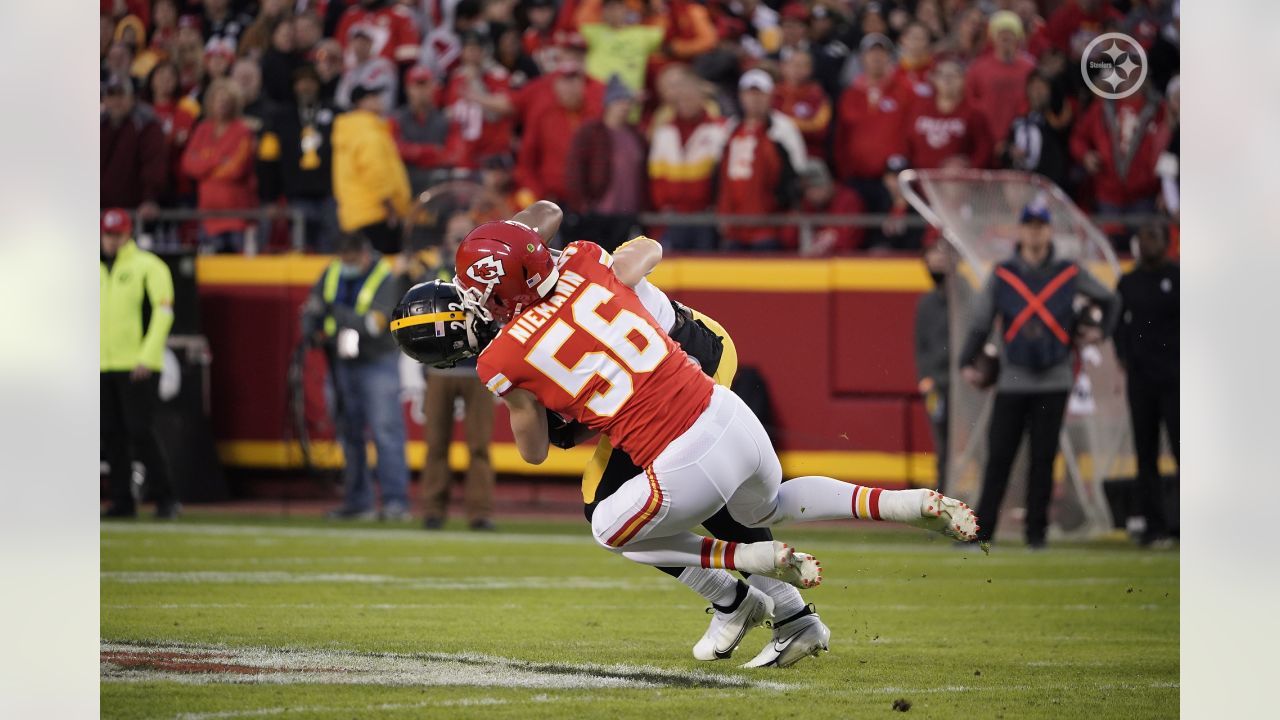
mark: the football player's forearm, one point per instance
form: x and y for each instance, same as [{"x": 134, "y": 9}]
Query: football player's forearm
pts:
[
  {"x": 543, "y": 217},
  {"x": 636, "y": 259}
]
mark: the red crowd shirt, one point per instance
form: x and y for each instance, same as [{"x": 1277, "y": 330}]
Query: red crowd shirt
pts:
[
  {"x": 475, "y": 133},
  {"x": 934, "y": 136},
  {"x": 1070, "y": 29},
  {"x": 394, "y": 31},
  {"x": 177, "y": 120},
  {"x": 222, "y": 166},
  {"x": 810, "y": 107},
  {"x": 547, "y": 139},
  {"x": 1144, "y": 140},
  {"x": 749, "y": 177},
  {"x": 592, "y": 353},
  {"x": 538, "y": 95},
  {"x": 870, "y": 130},
  {"x": 837, "y": 239},
  {"x": 998, "y": 90}
]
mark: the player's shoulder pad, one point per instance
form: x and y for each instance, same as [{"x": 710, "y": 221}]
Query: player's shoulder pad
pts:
[{"x": 589, "y": 250}]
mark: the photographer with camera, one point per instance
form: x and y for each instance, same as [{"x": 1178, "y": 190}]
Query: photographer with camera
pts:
[
  {"x": 1033, "y": 294},
  {"x": 347, "y": 314}
]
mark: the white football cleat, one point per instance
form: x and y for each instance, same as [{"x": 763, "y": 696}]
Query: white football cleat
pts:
[
  {"x": 948, "y": 516},
  {"x": 794, "y": 641},
  {"x": 727, "y": 629},
  {"x": 779, "y": 561}
]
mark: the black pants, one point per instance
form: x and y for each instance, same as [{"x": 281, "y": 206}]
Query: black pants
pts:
[
  {"x": 128, "y": 434},
  {"x": 938, "y": 405},
  {"x": 1151, "y": 403},
  {"x": 1040, "y": 415}
]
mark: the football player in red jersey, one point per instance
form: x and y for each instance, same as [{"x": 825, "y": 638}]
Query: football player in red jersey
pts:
[{"x": 577, "y": 339}]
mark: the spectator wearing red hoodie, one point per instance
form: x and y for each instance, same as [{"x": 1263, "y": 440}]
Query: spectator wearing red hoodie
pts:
[
  {"x": 758, "y": 172},
  {"x": 996, "y": 83},
  {"x": 548, "y": 135},
  {"x": 539, "y": 37},
  {"x": 803, "y": 100},
  {"x": 821, "y": 196},
  {"x": 219, "y": 158},
  {"x": 177, "y": 114},
  {"x": 1118, "y": 142},
  {"x": 421, "y": 130},
  {"x": 869, "y": 140},
  {"x": 390, "y": 25},
  {"x": 475, "y": 130},
  {"x": 945, "y": 127}
]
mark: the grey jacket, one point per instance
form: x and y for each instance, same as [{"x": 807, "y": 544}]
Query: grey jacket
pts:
[
  {"x": 933, "y": 359},
  {"x": 1016, "y": 379}
]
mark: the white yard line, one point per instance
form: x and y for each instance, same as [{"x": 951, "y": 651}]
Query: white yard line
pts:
[
  {"x": 202, "y": 665},
  {"x": 412, "y": 583}
]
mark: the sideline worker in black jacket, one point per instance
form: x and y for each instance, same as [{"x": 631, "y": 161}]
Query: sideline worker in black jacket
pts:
[{"x": 1147, "y": 345}]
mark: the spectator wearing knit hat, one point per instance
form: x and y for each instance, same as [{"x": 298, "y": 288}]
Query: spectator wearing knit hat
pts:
[
  {"x": 996, "y": 83},
  {"x": 604, "y": 174}
]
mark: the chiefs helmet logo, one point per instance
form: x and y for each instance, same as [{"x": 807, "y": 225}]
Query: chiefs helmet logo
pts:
[{"x": 486, "y": 270}]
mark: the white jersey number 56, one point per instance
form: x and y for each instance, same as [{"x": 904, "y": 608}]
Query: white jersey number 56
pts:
[{"x": 613, "y": 335}]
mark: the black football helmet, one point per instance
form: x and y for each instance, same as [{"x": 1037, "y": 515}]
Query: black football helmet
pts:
[{"x": 431, "y": 326}]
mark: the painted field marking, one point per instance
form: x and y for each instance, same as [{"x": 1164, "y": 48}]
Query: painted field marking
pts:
[
  {"x": 410, "y": 583},
  {"x": 211, "y": 664}
]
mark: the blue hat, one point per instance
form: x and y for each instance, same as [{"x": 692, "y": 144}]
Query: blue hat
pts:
[{"x": 1035, "y": 211}]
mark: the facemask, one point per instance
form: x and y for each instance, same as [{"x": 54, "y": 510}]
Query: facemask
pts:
[{"x": 938, "y": 277}]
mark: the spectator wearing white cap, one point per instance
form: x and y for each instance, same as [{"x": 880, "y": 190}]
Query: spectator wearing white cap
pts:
[{"x": 757, "y": 174}]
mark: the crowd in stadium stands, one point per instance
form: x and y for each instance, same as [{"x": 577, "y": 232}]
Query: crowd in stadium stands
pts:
[{"x": 345, "y": 109}]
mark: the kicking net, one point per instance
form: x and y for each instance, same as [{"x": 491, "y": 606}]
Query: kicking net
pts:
[{"x": 977, "y": 212}]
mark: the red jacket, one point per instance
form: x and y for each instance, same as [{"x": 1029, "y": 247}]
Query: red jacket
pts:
[
  {"x": 544, "y": 148},
  {"x": 933, "y": 136},
  {"x": 475, "y": 133},
  {"x": 1069, "y": 29},
  {"x": 810, "y": 107},
  {"x": 222, "y": 166},
  {"x": 749, "y": 179},
  {"x": 998, "y": 90},
  {"x": 394, "y": 31},
  {"x": 1130, "y": 134},
  {"x": 869, "y": 132}
]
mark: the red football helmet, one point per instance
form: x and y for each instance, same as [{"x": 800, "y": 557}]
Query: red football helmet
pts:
[{"x": 503, "y": 267}]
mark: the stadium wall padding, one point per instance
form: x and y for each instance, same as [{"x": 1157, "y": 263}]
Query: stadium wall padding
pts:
[{"x": 832, "y": 338}]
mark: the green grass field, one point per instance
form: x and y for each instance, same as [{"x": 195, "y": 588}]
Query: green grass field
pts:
[{"x": 218, "y": 617}]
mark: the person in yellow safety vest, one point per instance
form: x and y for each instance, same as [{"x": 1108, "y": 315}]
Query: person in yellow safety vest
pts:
[
  {"x": 347, "y": 314},
  {"x": 135, "y": 315}
]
